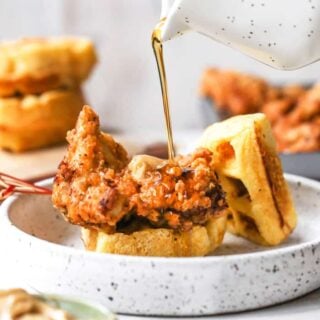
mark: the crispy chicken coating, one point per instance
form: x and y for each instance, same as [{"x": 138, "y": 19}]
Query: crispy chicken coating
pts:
[
  {"x": 97, "y": 186},
  {"x": 298, "y": 129},
  {"x": 236, "y": 92},
  {"x": 293, "y": 111}
]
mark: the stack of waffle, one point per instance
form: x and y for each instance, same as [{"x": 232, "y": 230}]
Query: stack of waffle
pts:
[{"x": 40, "y": 94}]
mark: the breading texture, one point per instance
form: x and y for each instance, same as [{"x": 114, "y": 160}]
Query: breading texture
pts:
[
  {"x": 36, "y": 65},
  {"x": 96, "y": 185},
  {"x": 83, "y": 177},
  {"x": 146, "y": 206},
  {"x": 234, "y": 92},
  {"x": 294, "y": 111},
  {"x": 259, "y": 200}
]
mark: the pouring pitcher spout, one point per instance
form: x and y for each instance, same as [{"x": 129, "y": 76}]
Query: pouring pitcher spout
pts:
[{"x": 173, "y": 24}]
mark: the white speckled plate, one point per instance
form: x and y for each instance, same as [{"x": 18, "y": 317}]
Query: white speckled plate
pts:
[{"x": 39, "y": 248}]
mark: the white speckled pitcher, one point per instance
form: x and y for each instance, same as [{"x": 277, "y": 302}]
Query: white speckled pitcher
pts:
[{"x": 284, "y": 34}]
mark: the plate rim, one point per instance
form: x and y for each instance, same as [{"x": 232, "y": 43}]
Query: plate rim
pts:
[{"x": 7, "y": 223}]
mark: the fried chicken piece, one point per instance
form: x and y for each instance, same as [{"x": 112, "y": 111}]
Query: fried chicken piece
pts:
[
  {"x": 307, "y": 108},
  {"x": 298, "y": 130},
  {"x": 292, "y": 91},
  {"x": 292, "y": 110},
  {"x": 96, "y": 185},
  {"x": 235, "y": 92},
  {"x": 277, "y": 108},
  {"x": 239, "y": 93},
  {"x": 301, "y": 137},
  {"x": 92, "y": 158}
]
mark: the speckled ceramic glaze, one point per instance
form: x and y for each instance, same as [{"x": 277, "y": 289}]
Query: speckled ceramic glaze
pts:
[
  {"x": 283, "y": 34},
  {"x": 39, "y": 249}
]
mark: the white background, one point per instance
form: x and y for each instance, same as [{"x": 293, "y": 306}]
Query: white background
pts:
[{"x": 124, "y": 87}]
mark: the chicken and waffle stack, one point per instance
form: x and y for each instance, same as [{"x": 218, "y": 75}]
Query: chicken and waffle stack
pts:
[
  {"x": 40, "y": 94},
  {"x": 294, "y": 111},
  {"x": 143, "y": 206},
  {"x": 153, "y": 207}
]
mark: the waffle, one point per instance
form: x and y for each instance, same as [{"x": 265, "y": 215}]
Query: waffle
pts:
[
  {"x": 36, "y": 65},
  {"x": 34, "y": 121},
  {"x": 199, "y": 241},
  {"x": 260, "y": 204}
]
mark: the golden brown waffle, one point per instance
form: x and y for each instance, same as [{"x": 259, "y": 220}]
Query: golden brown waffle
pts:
[
  {"x": 36, "y": 65},
  {"x": 261, "y": 208},
  {"x": 199, "y": 241},
  {"x": 35, "y": 121}
]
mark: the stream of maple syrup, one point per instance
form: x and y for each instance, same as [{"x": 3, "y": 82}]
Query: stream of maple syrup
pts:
[{"x": 158, "y": 52}]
